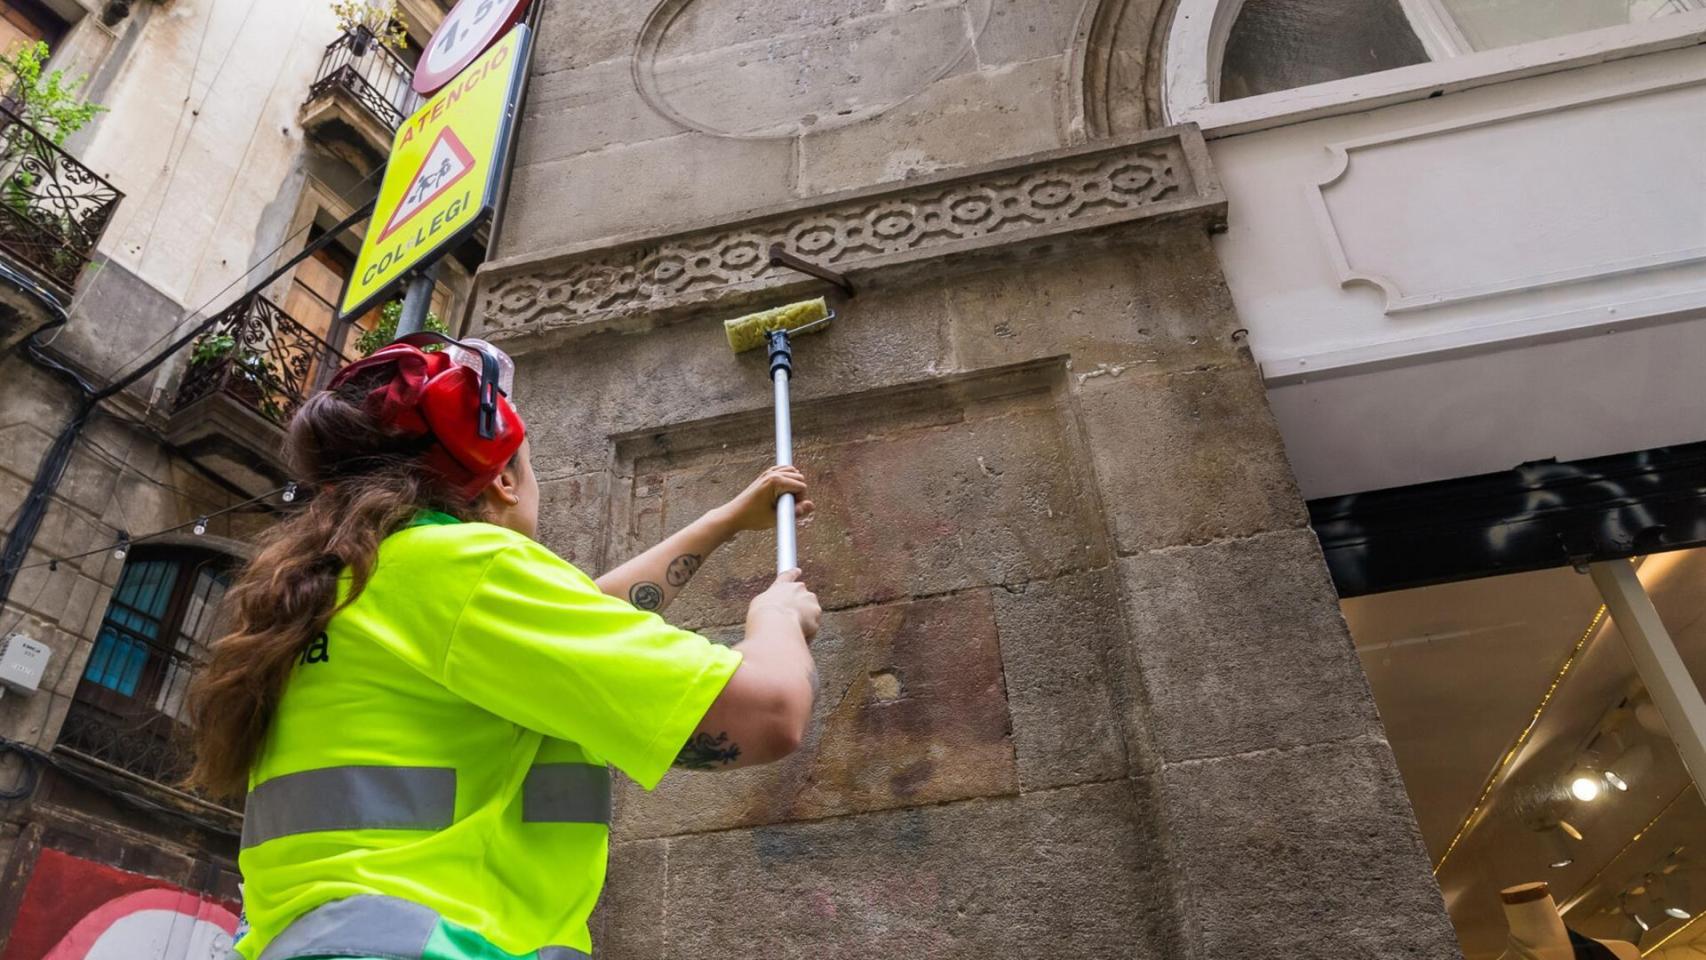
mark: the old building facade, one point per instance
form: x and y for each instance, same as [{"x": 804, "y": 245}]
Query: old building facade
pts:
[
  {"x": 235, "y": 136},
  {"x": 1152, "y": 300}
]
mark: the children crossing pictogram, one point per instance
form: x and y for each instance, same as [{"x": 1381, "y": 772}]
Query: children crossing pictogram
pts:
[{"x": 446, "y": 162}]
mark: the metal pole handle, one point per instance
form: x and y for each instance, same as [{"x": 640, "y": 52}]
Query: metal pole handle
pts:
[{"x": 786, "y": 552}]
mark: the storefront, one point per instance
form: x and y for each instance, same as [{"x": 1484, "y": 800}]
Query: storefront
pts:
[{"x": 1465, "y": 239}]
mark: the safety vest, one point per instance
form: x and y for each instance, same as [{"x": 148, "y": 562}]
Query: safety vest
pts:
[{"x": 435, "y": 783}]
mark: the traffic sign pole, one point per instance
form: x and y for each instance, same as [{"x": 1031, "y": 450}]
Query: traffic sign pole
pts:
[{"x": 418, "y": 300}]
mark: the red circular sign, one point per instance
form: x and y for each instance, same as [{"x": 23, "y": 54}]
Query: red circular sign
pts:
[{"x": 471, "y": 27}]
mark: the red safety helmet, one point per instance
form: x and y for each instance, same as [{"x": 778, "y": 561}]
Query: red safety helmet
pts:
[{"x": 439, "y": 395}]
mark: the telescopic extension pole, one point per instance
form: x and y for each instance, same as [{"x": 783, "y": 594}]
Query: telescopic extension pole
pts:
[{"x": 781, "y": 367}]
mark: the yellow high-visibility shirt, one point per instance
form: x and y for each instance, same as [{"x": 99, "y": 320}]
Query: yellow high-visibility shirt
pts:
[{"x": 447, "y": 741}]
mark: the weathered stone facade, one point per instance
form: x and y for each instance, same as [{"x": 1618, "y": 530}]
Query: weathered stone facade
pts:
[{"x": 1086, "y": 689}]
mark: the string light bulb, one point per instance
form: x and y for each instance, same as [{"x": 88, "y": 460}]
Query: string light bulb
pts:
[
  {"x": 200, "y": 526},
  {"x": 289, "y": 495},
  {"x": 122, "y": 548}
]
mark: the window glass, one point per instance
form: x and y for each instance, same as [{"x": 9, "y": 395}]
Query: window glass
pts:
[
  {"x": 1280, "y": 44},
  {"x": 1489, "y": 24}
]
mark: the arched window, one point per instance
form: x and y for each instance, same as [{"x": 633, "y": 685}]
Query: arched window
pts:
[
  {"x": 1276, "y": 45},
  {"x": 130, "y": 704}
]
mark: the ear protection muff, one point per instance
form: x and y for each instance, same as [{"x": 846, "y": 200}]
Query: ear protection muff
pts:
[{"x": 467, "y": 413}]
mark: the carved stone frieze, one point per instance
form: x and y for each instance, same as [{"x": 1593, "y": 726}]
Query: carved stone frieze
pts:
[{"x": 1079, "y": 190}]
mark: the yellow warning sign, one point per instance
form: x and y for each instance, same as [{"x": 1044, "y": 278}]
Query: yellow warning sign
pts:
[{"x": 446, "y": 169}]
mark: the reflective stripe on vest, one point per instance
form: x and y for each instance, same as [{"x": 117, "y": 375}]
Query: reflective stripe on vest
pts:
[
  {"x": 372, "y": 926},
  {"x": 350, "y": 798},
  {"x": 566, "y": 793}
]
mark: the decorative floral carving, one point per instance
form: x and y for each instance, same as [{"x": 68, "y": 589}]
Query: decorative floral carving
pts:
[{"x": 909, "y": 222}]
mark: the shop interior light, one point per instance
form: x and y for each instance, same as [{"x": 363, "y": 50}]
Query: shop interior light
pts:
[
  {"x": 1670, "y": 893},
  {"x": 1561, "y": 839},
  {"x": 1585, "y": 786},
  {"x": 1630, "y": 766}
]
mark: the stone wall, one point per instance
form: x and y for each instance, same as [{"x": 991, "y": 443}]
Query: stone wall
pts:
[{"x": 1086, "y": 690}]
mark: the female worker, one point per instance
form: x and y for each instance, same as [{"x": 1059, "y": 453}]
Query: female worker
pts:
[{"x": 422, "y": 703}]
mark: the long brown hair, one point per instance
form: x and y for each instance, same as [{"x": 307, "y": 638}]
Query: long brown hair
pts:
[{"x": 367, "y": 482}]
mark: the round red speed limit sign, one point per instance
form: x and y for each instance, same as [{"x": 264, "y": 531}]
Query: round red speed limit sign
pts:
[{"x": 470, "y": 28}]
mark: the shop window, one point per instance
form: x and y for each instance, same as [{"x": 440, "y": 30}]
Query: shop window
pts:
[
  {"x": 1276, "y": 45},
  {"x": 130, "y": 704},
  {"x": 1534, "y": 751}
]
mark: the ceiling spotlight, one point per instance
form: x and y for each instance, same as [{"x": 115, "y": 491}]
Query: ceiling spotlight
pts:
[
  {"x": 1560, "y": 840},
  {"x": 1626, "y": 903},
  {"x": 1630, "y": 765},
  {"x": 1585, "y": 787}
]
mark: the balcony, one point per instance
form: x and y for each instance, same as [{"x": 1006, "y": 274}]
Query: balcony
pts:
[
  {"x": 247, "y": 376},
  {"x": 53, "y": 209},
  {"x": 360, "y": 97}
]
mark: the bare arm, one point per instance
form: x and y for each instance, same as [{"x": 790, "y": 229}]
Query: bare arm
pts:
[
  {"x": 762, "y": 714},
  {"x": 654, "y": 578}
]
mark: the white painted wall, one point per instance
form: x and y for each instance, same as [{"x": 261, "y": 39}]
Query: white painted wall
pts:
[
  {"x": 1456, "y": 285},
  {"x": 203, "y": 135}
]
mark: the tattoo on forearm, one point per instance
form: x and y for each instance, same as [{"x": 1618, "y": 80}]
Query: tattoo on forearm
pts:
[
  {"x": 705, "y": 752},
  {"x": 682, "y": 568},
  {"x": 646, "y": 595}
]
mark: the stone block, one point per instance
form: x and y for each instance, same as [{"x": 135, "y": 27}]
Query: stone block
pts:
[
  {"x": 571, "y": 112},
  {"x": 26, "y": 719},
  {"x": 1019, "y": 31},
  {"x": 575, "y": 399},
  {"x": 629, "y": 921},
  {"x": 710, "y": 25},
  {"x": 71, "y": 657},
  {"x": 957, "y": 121},
  {"x": 1239, "y": 646},
  {"x": 1069, "y": 872},
  {"x": 1310, "y": 852},
  {"x": 916, "y": 495},
  {"x": 1058, "y": 638},
  {"x": 1143, "y": 307},
  {"x": 41, "y": 590},
  {"x": 734, "y": 71},
  {"x": 573, "y": 514},
  {"x": 911, "y": 711},
  {"x": 579, "y": 34},
  {"x": 1188, "y": 457},
  {"x": 656, "y": 185}
]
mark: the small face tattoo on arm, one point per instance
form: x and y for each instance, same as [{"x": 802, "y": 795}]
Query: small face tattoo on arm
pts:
[
  {"x": 646, "y": 595},
  {"x": 682, "y": 568}
]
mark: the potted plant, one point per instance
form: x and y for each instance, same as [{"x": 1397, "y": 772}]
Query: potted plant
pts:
[
  {"x": 370, "y": 21},
  {"x": 252, "y": 377}
]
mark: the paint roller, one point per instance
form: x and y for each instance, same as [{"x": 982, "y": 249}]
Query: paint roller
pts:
[{"x": 773, "y": 329}]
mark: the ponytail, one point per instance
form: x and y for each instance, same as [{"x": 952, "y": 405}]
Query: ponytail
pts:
[{"x": 368, "y": 483}]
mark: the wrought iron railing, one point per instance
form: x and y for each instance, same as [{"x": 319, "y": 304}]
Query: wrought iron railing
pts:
[
  {"x": 256, "y": 353},
  {"x": 141, "y": 729},
  {"x": 366, "y": 70},
  {"x": 53, "y": 209}
]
